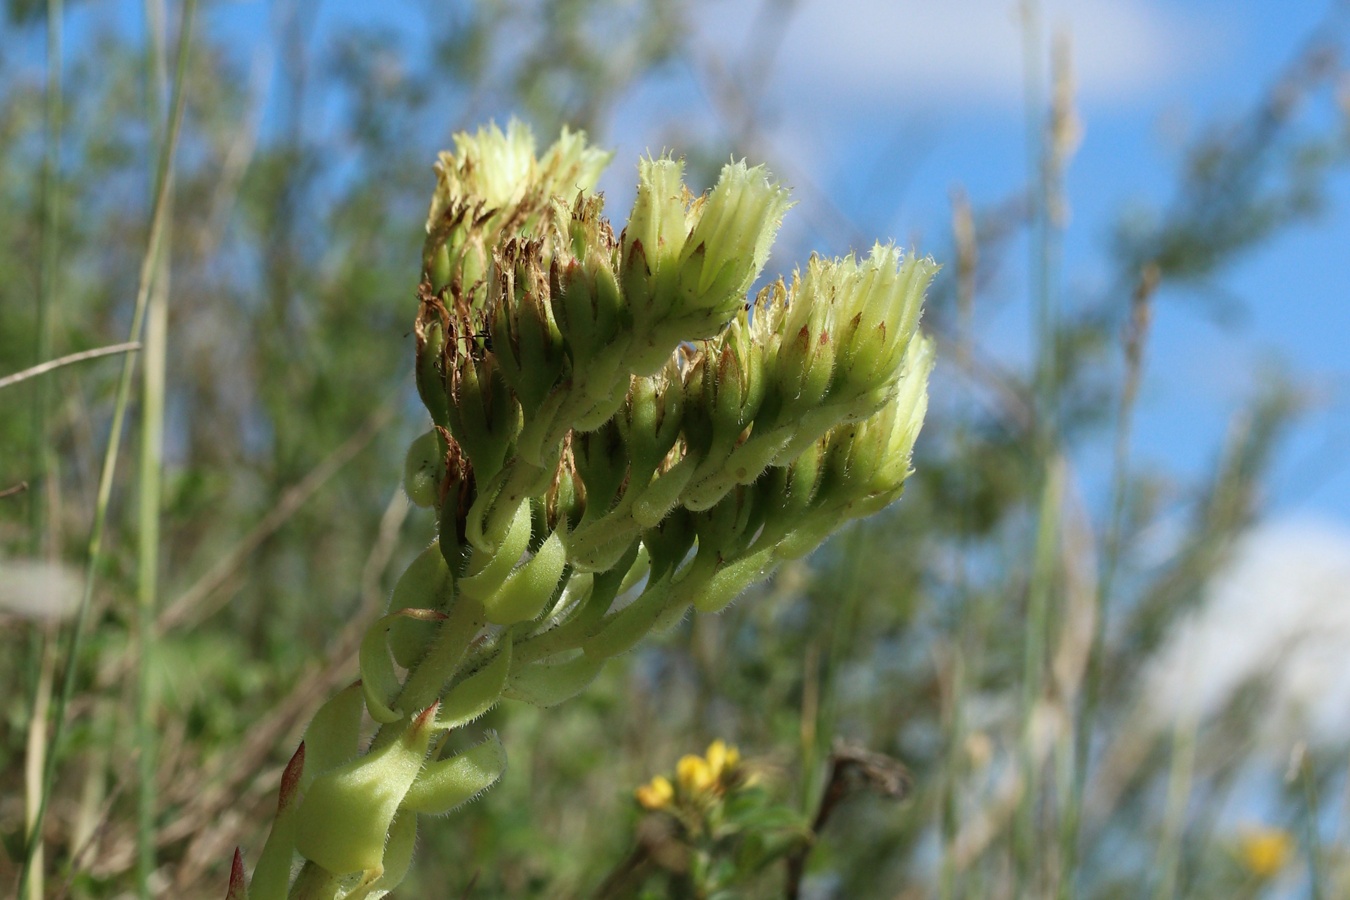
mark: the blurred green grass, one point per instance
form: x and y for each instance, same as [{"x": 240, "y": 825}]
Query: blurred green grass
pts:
[{"x": 289, "y": 405}]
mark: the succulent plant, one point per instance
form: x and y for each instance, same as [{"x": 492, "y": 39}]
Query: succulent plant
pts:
[{"x": 619, "y": 433}]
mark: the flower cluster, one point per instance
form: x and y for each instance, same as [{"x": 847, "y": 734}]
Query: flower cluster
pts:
[
  {"x": 619, "y": 433},
  {"x": 699, "y": 780},
  {"x": 714, "y": 827}
]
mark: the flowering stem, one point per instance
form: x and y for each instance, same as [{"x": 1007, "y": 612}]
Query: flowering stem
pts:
[{"x": 563, "y": 368}]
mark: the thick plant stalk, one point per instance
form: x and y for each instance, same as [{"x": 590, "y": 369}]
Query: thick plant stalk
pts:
[{"x": 618, "y": 436}]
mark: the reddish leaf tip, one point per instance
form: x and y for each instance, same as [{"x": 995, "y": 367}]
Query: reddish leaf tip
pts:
[
  {"x": 290, "y": 778},
  {"x": 427, "y": 717},
  {"x": 237, "y": 890}
]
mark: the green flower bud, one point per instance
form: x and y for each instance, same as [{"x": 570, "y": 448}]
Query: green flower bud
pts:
[
  {"x": 882, "y": 443},
  {"x": 725, "y": 529},
  {"x": 638, "y": 423},
  {"x": 588, "y": 304},
  {"x": 727, "y": 246},
  {"x": 890, "y": 435},
  {"x": 424, "y": 469},
  {"x": 602, "y": 462},
  {"x": 648, "y": 425},
  {"x": 437, "y": 267},
  {"x": 499, "y": 171},
  {"x": 499, "y": 502},
  {"x": 454, "y": 255},
  {"x": 457, "y": 493},
  {"x": 660, "y": 220},
  {"x": 346, "y": 813},
  {"x": 525, "y": 338},
  {"x": 865, "y": 464},
  {"x": 654, "y": 239},
  {"x": 794, "y": 486},
  {"x": 429, "y": 334},
  {"x": 730, "y": 376},
  {"x": 660, "y": 496},
  {"x": 700, "y": 396},
  {"x": 529, "y": 588},
  {"x": 669, "y": 541},
  {"x": 593, "y": 323},
  {"x": 737, "y": 387},
  {"x": 484, "y": 414},
  {"x": 565, "y": 500},
  {"x": 651, "y": 419},
  {"x": 878, "y": 309},
  {"x": 805, "y": 360},
  {"x": 487, "y": 570}
]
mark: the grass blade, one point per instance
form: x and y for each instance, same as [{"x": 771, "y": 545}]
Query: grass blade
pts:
[{"x": 159, "y": 216}]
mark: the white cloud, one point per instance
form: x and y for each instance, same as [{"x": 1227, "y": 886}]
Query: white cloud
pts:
[
  {"x": 1279, "y": 613},
  {"x": 888, "y": 52}
]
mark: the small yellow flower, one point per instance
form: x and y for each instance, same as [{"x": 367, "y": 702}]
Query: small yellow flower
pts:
[
  {"x": 656, "y": 794},
  {"x": 694, "y": 774},
  {"x": 722, "y": 759},
  {"x": 1265, "y": 851}
]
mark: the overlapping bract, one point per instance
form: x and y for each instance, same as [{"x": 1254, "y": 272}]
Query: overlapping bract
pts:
[
  {"x": 628, "y": 376},
  {"x": 618, "y": 434}
]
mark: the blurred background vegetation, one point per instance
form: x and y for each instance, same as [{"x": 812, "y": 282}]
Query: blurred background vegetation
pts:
[{"x": 991, "y": 632}]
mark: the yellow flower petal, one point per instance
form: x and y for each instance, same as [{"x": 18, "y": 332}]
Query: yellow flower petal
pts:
[
  {"x": 1265, "y": 851},
  {"x": 656, "y": 794},
  {"x": 694, "y": 774},
  {"x": 717, "y": 758}
]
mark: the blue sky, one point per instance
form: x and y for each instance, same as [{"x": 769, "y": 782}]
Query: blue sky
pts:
[{"x": 884, "y": 106}]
